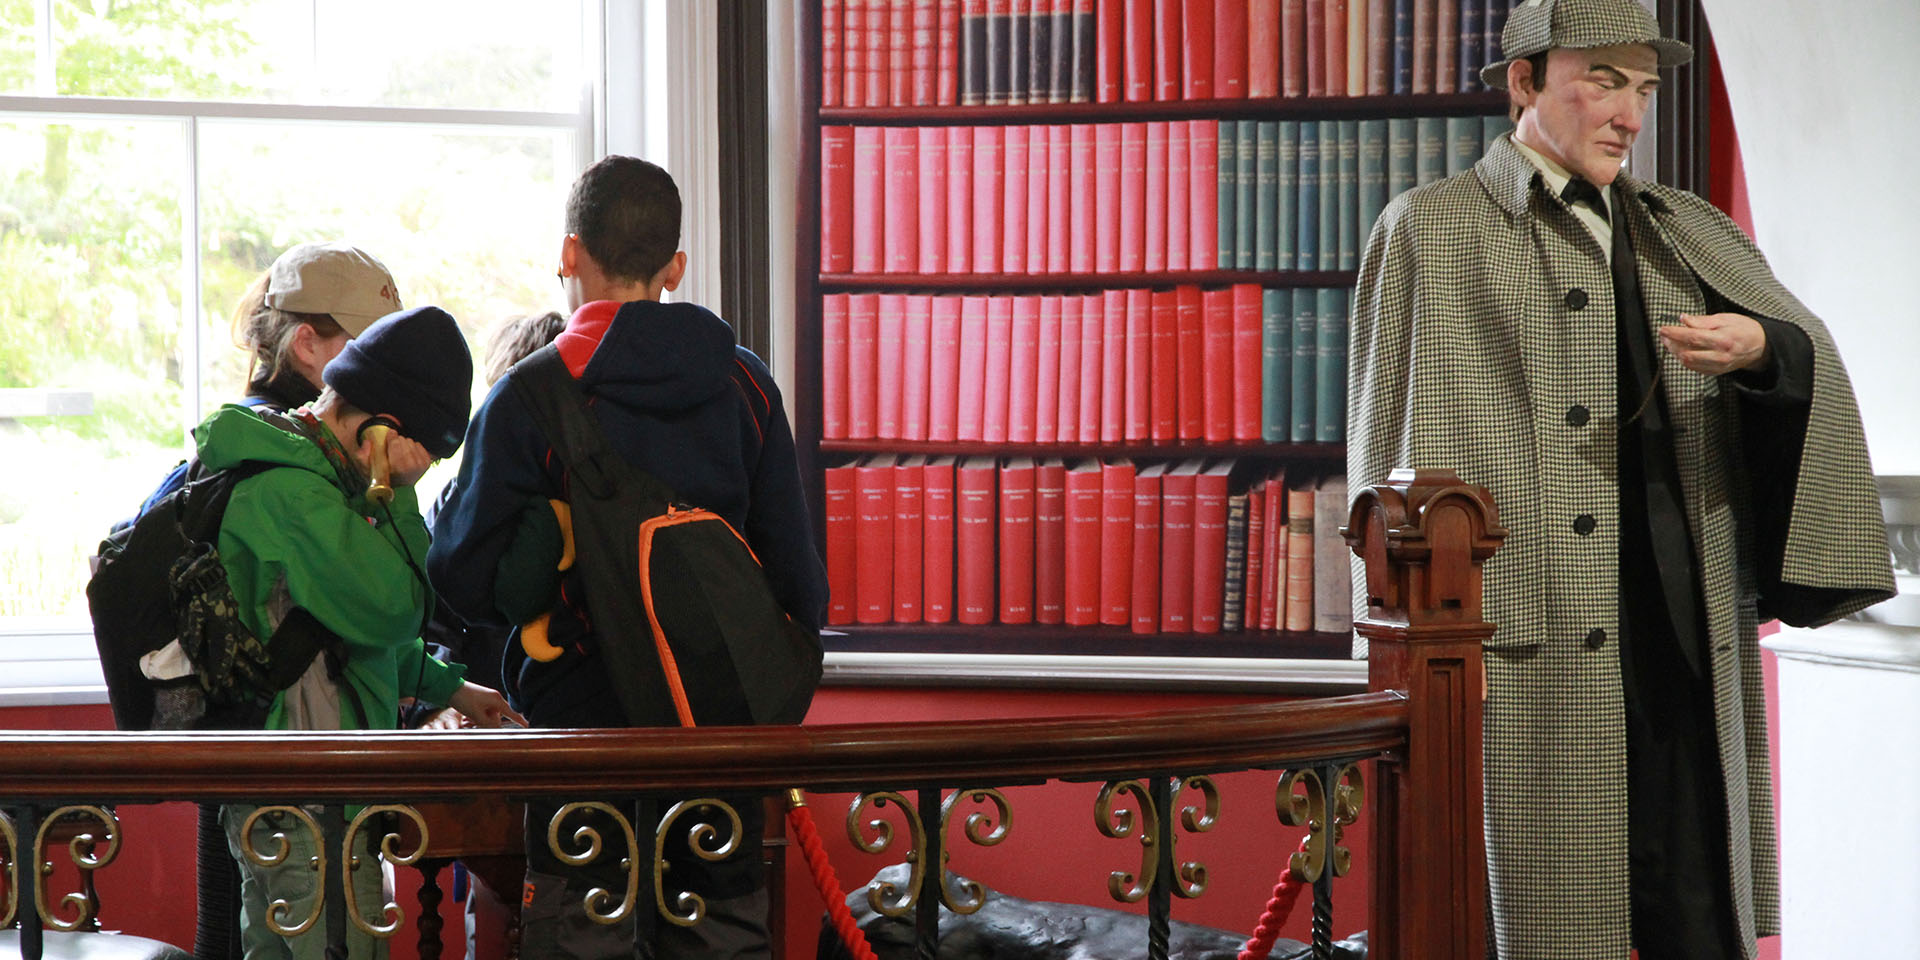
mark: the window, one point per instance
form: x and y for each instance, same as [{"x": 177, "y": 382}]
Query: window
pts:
[{"x": 156, "y": 155}]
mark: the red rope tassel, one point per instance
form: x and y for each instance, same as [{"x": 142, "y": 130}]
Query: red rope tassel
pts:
[
  {"x": 800, "y": 820},
  {"x": 1284, "y": 894}
]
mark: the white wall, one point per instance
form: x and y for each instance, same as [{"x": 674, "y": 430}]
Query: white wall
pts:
[{"x": 1823, "y": 99}]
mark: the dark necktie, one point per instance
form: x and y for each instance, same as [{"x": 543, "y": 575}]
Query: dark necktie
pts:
[{"x": 1582, "y": 191}]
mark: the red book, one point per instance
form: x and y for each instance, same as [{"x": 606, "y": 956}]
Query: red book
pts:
[
  {"x": 1216, "y": 364},
  {"x": 1016, "y": 540},
  {"x": 1163, "y": 407},
  {"x": 1059, "y": 196},
  {"x": 1133, "y": 197},
  {"x": 1046, "y": 398},
  {"x": 1230, "y": 50},
  {"x": 1167, "y": 43},
  {"x": 947, "y": 74},
  {"x": 1176, "y": 548},
  {"x": 972, "y": 406},
  {"x": 1139, "y": 367},
  {"x": 1256, "y": 553},
  {"x": 1013, "y": 210},
  {"x": 1300, "y": 559},
  {"x": 902, "y": 201},
  {"x": 888, "y": 378},
  {"x": 975, "y": 499},
  {"x": 1293, "y": 48},
  {"x": 853, "y": 53},
  {"x": 833, "y": 366},
  {"x": 1080, "y": 232},
  {"x": 1156, "y": 198},
  {"x": 1179, "y": 186},
  {"x": 1316, "y": 47},
  {"x": 900, "y": 52},
  {"x": 1335, "y": 16},
  {"x": 1379, "y": 47},
  {"x": 995, "y": 393},
  {"x": 1140, "y": 49},
  {"x": 926, "y": 23},
  {"x": 830, "y": 69},
  {"x": 1246, "y": 368},
  {"x": 869, "y": 199},
  {"x": 1424, "y": 14},
  {"x": 1050, "y": 541},
  {"x": 1145, "y": 593},
  {"x": 1116, "y": 543},
  {"x": 1083, "y": 554},
  {"x": 936, "y": 597},
  {"x": 916, "y": 365},
  {"x": 842, "y": 566},
  {"x": 1203, "y": 174},
  {"x": 863, "y": 360},
  {"x": 1210, "y": 546},
  {"x": 908, "y": 545},
  {"x": 836, "y": 199},
  {"x": 1273, "y": 594},
  {"x": 1446, "y": 47},
  {"x": 1110, "y": 63},
  {"x": 1113, "y": 365},
  {"x": 1038, "y": 172},
  {"x": 959, "y": 199},
  {"x": 873, "y": 540},
  {"x": 1093, "y": 353},
  {"x": 1197, "y": 53},
  {"x": 879, "y": 53},
  {"x": 1263, "y": 48},
  {"x": 1069, "y": 388},
  {"x": 1190, "y": 340},
  {"x": 1106, "y": 197},
  {"x": 989, "y": 196},
  {"x": 1023, "y": 374},
  {"x": 933, "y": 189},
  {"x": 943, "y": 371}
]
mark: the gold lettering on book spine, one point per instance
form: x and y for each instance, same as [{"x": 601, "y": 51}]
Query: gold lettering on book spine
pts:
[{"x": 390, "y": 913}]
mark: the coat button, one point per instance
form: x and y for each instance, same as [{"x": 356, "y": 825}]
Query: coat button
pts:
[
  {"x": 1576, "y": 416},
  {"x": 1583, "y": 524},
  {"x": 1596, "y": 638},
  {"x": 1576, "y": 299}
]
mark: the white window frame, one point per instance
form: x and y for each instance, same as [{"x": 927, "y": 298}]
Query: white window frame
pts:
[{"x": 51, "y": 660}]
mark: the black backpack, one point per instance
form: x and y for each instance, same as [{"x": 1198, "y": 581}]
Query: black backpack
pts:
[
  {"x": 691, "y": 630},
  {"x": 160, "y": 579}
]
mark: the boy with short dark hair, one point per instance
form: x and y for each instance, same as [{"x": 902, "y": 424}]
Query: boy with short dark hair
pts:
[{"x": 677, "y": 398}]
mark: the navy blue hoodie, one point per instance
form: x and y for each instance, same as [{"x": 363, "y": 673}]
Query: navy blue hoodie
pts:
[{"x": 677, "y": 398}]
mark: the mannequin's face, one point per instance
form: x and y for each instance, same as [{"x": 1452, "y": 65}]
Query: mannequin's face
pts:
[{"x": 1588, "y": 111}]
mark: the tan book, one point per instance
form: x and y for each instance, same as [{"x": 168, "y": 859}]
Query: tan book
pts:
[{"x": 1299, "y": 566}]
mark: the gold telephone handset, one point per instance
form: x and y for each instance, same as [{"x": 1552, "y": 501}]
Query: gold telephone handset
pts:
[
  {"x": 533, "y": 634},
  {"x": 376, "y": 431}
]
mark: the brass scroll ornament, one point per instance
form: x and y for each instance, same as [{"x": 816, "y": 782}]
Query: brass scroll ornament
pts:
[
  {"x": 701, "y": 839},
  {"x": 886, "y": 898},
  {"x": 981, "y": 831},
  {"x": 1190, "y": 879},
  {"x": 1141, "y": 820},
  {"x": 390, "y": 912},
  {"x": 1324, "y": 833},
  {"x": 590, "y": 839},
  {"x": 279, "y": 908},
  {"x": 83, "y": 857}
]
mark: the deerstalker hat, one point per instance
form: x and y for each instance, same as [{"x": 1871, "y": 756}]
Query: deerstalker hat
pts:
[{"x": 1538, "y": 25}]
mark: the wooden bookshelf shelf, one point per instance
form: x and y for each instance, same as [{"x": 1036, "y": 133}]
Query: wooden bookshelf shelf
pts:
[
  {"x": 1263, "y": 108},
  {"x": 1043, "y": 640},
  {"x": 1066, "y": 282},
  {"x": 1334, "y": 453}
]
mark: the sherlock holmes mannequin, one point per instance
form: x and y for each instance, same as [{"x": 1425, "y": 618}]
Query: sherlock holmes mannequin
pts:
[{"x": 1674, "y": 448}]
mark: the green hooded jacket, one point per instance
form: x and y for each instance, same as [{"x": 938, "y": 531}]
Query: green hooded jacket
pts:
[{"x": 302, "y": 531}]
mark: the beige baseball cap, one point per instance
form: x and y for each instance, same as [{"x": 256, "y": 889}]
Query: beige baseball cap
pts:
[
  {"x": 334, "y": 278},
  {"x": 1538, "y": 25}
]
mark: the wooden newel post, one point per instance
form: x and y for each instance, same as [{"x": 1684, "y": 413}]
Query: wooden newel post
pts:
[{"x": 1423, "y": 535}]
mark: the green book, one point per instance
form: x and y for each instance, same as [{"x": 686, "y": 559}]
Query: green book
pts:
[
  {"x": 1463, "y": 144},
  {"x": 1306, "y": 336},
  {"x": 1227, "y": 198},
  {"x": 1287, "y": 218},
  {"x": 1330, "y": 367},
  {"x": 1276, "y": 365},
  {"x": 1245, "y": 188},
  {"x": 1400, "y": 169},
  {"x": 1349, "y": 194},
  {"x": 1373, "y": 175},
  {"x": 1430, "y": 149},
  {"x": 1306, "y": 245},
  {"x": 1491, "y": 128},
  {"x": 1266, "y": 202},
  {"x": 1329, "y": 246}
]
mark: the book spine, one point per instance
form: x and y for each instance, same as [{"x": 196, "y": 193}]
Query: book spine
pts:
[
  {"x": 1471, "y": 35},
  {"x": 936, "y": 565},
  {"x": 1316, "y": 18},
  {"x": 1493, "y": 20},
  {"x": 1013, "y": 210},
  {"x": 1491, "y": 127},
  {"x": 1138, "y": 85},
  {"x": 1059, "y": 197},
  {"x": 1145, "y": 566},
  {"x": 1330, "y": 368},
  {"x": 1333, "y": 573},
  {"x": 1430, "y": 149},
  {"x": 888, "y": 379},
  {"x": 1019, "y": 61},
  {"x": 1197, "y": 52},
  {"x": 1023, "y": 378},
  {"x": 1300, "y": 559},
  {"x": 873, "y": 542},
  {"x": 863, "y": 357},
  {"x": 943, "y": 371},
  {"x": 1110, "y": 56},
  {"x": 959, "y": 212},
  {"x": 1276, "y": 365},
  {"x": 833, "y": 366},
  {"x": 1039, "y": 225},
  {"x": 1083, "y": 549},
  {"x": 1062, "y": 67},
  {"x": 830, "y": 42},
  {"x": 1190, "y": 338},
  {"x": 1246, "y": 185},
  {"x": 932, "y": 191},
  {"x": 1116, "y": 544},
  {"x": 975, "y": 497},
  {"x": 926, "y": 52},
  {"x": 1263, "y": 48},
  {"x": 1256, "y": 554},
  {"x": 1306, "y": 333},
  {"x": 1046, "y": 397},
  {"x": 1293, "y": 48},
  {"x": 836, "y": 199},
  {"x": 900, "y": 52},
  {"x": 1273, "y": 592},
  {"x": 1230, "y": 48},
  {"x": 1106, "y": 191},
  {"x": 1306, "y": 248},
  {"x": 879, "y": 52},
  {"x": 1209, "y": 564},
  {"x": 999, "y": 58},
  {"x": 1164, "y": 360},
  {"x": 972, "y": 407},
  {"x": 909, "y": 551},
  {"x": 1463, "y": 144},
  {"x": 1167, "y": 42},
  {"x": 1226, "y": 192},
  {"x": 1373, "y": 174},
  {"x": 1216, "y": 320},
  {"x": 853, "y": 53},
  {"x": 1233, "y": 608},
  {"x": 1379, "y": 47},
  {"x": 916, "y": 368},
  {"x": 1069, "y": 386},
  {"x": 947, "y": 77},
  {"x": 1203, "y": 203},
  {"x": 1040, "y": 52},
  {"x": 1133, "y": 197},
  {"x": 1286, "y": 218},
  {"x": 1016, "y": 541},
  {"x": 1247, "y": 344},
  {"x": 1446, "y": 46},
  {"x": 973, "y": 52},
  {"x": 1329, "y": 244},
  {"x": 1402, "y": 47},
  {"x": 842, "y": 566},
  {"x": 1349, "y": 193},
  {"x": 1080, "y": 237},
  {"x": 1334, "y": 15},
  {"x": 1176, "y": 553},
  {"x": 1356, "y": 47},
  {"x": 901, "y": 245},
  {"x": 1266, "y": 196},
  {"x": 989, "y": 197},
  {"x": 869, "y": 199},
  {"x": 1086, "y": 51},
  {"x": 995, "y": 388},
  {"x": 1402, "y": 172},
  {"x": 1179, "y": 188},
  {"x": 1423, "y": 28},
  {"x": 1049, "y": 542},
  {"x": 1138, "y": 395},
  {"x": 1113, "y": 365},
  {"x": 1092, "y": 362},
  {"x": 1154, "y": 256}
]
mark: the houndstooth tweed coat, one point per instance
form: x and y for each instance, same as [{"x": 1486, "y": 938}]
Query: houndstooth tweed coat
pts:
[{"x": 1470, "y": 350}]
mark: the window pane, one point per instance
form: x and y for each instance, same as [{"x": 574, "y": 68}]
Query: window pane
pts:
[
  {"x": 486, "y": 54},
  {"x": 19, "y": 40},
  {"x": 90, "y": 274}
]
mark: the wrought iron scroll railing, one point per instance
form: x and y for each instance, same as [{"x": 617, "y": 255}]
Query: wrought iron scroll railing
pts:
[{"x": 1423, "y": 537}]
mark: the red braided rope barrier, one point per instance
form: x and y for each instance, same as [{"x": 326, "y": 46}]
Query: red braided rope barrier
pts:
[
  {"x": 800, "y": 820},
  {"x": 1285, "y": 893}
]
